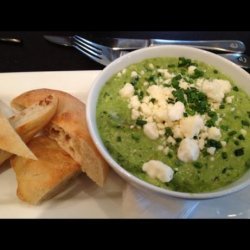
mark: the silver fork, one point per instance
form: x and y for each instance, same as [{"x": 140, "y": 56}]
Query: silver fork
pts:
[
  {"x": 99, "y": 53},
  {"x": 105, "y": 55}
]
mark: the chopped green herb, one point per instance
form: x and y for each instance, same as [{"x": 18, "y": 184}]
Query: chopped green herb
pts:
[
  {"x": 231, "y": 133},
  {"x": 152, "y": 100},
  {"x": 224, "y": 127},
  {"x": 118, "y": 138},
  {"x": 216, "y": 71},
  {"x": 222, "y": 106},
  {"x": 179, "y": 94},
  {"x": 241, "y": 137},
  {"x": 224, "y": 155},
  {"x": 197, "y": 164},
  {"x": 245, "y": 123},
  {"x": 135, "y": 137},
  {"x": 197, "y": 73},
  {"x": 168, "y": 132},
  {"x": 171, "y": 65},
  {"x": 235, "y": 88},
  {"x": 175, "y": 81},
  {"x": 237, "y": 143},
  {"x": 247, "y": 163},
  {"x": 178, "y": 163},
  {"x": 213, "y": 143},
  {"x": 183, "y": 62},
  {"x": 239, "y": 152},
  {"x": 170, "y": 155},
  {"x": 140, "y": 122},
  {"x": 210, "y": 123}
]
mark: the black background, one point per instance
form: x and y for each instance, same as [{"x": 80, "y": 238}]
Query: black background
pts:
[{"x": 37, "y": 54}]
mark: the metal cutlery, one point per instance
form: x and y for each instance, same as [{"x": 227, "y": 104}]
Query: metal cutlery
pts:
[
  {"x": 230, "y": 46},
  {"x": 105, "y": 55},
  {"x": 10, "y": 40}
]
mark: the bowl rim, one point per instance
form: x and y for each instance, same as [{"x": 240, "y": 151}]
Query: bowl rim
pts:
[{"x": 119, "y": 169}]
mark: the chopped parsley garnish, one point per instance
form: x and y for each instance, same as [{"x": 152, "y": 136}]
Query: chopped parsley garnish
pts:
[
  {"x": 135, "y": 137},
  {"x": 213, "y": 143},
  {"x": 118, "y": 138},
  {"x": 140, "y": 122},
  {"x": 224, "y": 155},
  {"x": 239, "y": 152},
  {"x": 168, "y": 132},
  {"x": 216, "y": 71},
  {"x": 179, "y": 95},
  {"x": 241, "y": 137},
  {"x": 245, "y": 123},
  {"x": 222, "y": 106},
  {"x": 224, "y": 127},
  {"x": 231, "y": 133},
  {"x": 237, "y": 143},
  {"x": 235, "y": 88},
  {"x": 183, "y": 62},
  {"x": 197, "y": 164},
  {"x": 197, "y": 73},
  {"x": 175, "y": 81}
]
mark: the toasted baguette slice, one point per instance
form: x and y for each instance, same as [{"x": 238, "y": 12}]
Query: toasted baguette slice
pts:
[
  {"x": 11, "y": 142},
  {"x": 42, "y": 179},
  {"x": 31, "y": 120},
  {"x": 69, "y": 128}
]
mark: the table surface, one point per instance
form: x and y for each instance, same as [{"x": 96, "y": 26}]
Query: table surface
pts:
[{"x": 36, "y": 54}]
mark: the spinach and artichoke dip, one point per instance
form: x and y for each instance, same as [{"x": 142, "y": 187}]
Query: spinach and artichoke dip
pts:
[{"x": 177, "y": 124}]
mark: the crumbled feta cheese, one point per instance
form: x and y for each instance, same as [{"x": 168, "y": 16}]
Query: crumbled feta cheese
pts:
[
  {"x": 124, "y": 71},
  {"x": 145, "y": 83},
  {"x": 134, "y": 102},
  {"x": 211, "y": 150},
  {"x": 165, "y": 73},
  {"x": 127, "y": 90},
  {"x": 175, "y": 111},
  {"x": 191, "y": 69},
  {"x": 158, "y": 170},
  {"x": 151, "y": 131},
  {"x": 145, "y": 109},
  {"x": 214, "y": 133},
  {"x": 211, "y": 158},
  {"x": 134, "y": 74},
  {"x": 215, "y": 89},
  {"x": 119, "y": 74},
  {"x": 223, "y": 143},
  {"x": 171, "y": 140},
  {"x": 243, "y": 131},
  {"x": 155, "y": 91},
  {"x": 160, "y": 114},
  {"x": 201, "y": 143},
  {"x": 188, "y": 150},
  {"x": 165, "y": 150},
  {"x": 142, "y": 72},
  {"x": 229, "y": 99},
  {"x": 191, "y": 126},
  {"x": 135, "y": 114},
  {"x": 177, "y": 132},
  {"x": 183, "y": 84}
]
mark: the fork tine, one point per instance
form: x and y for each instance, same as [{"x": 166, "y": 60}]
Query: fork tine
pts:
[
  {"x": 89, "y": 55},
  {"x": 82, "y": 46},
  {"x": 95, "y": 45},
  {"x": 89, "y": 45}
]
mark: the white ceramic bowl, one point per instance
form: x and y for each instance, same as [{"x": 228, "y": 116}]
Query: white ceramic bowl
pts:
[{"x": 238, "y": 75}]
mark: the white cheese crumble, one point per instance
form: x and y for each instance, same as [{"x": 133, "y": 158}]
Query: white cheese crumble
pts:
[
  {"x": 191, "y": 69},
  {"x": 215, "y": 89},
  {"x": 211, "y": 150},
  {"x": 134, "y": 74},
  {"x": 214, "y": 133},
  {"x": 188, "y": 150},
  {"x": 158, "y": 170},
  {"x": 127, "y": 90},
  {"x": 151, "y": 131},
  {"x": 191, "y": 126},
  {"x": 175, "y": 111}
]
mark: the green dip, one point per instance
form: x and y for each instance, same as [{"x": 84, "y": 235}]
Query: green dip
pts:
[{"x": 131, "y": 148}]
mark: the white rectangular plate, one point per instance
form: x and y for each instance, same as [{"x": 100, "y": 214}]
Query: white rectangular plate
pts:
[{"x": 83, "y": 199}]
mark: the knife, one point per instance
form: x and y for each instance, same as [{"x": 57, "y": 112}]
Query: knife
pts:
[
  {"x": 231, "y": 46},
  {"x": 10, "y": 40}
]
